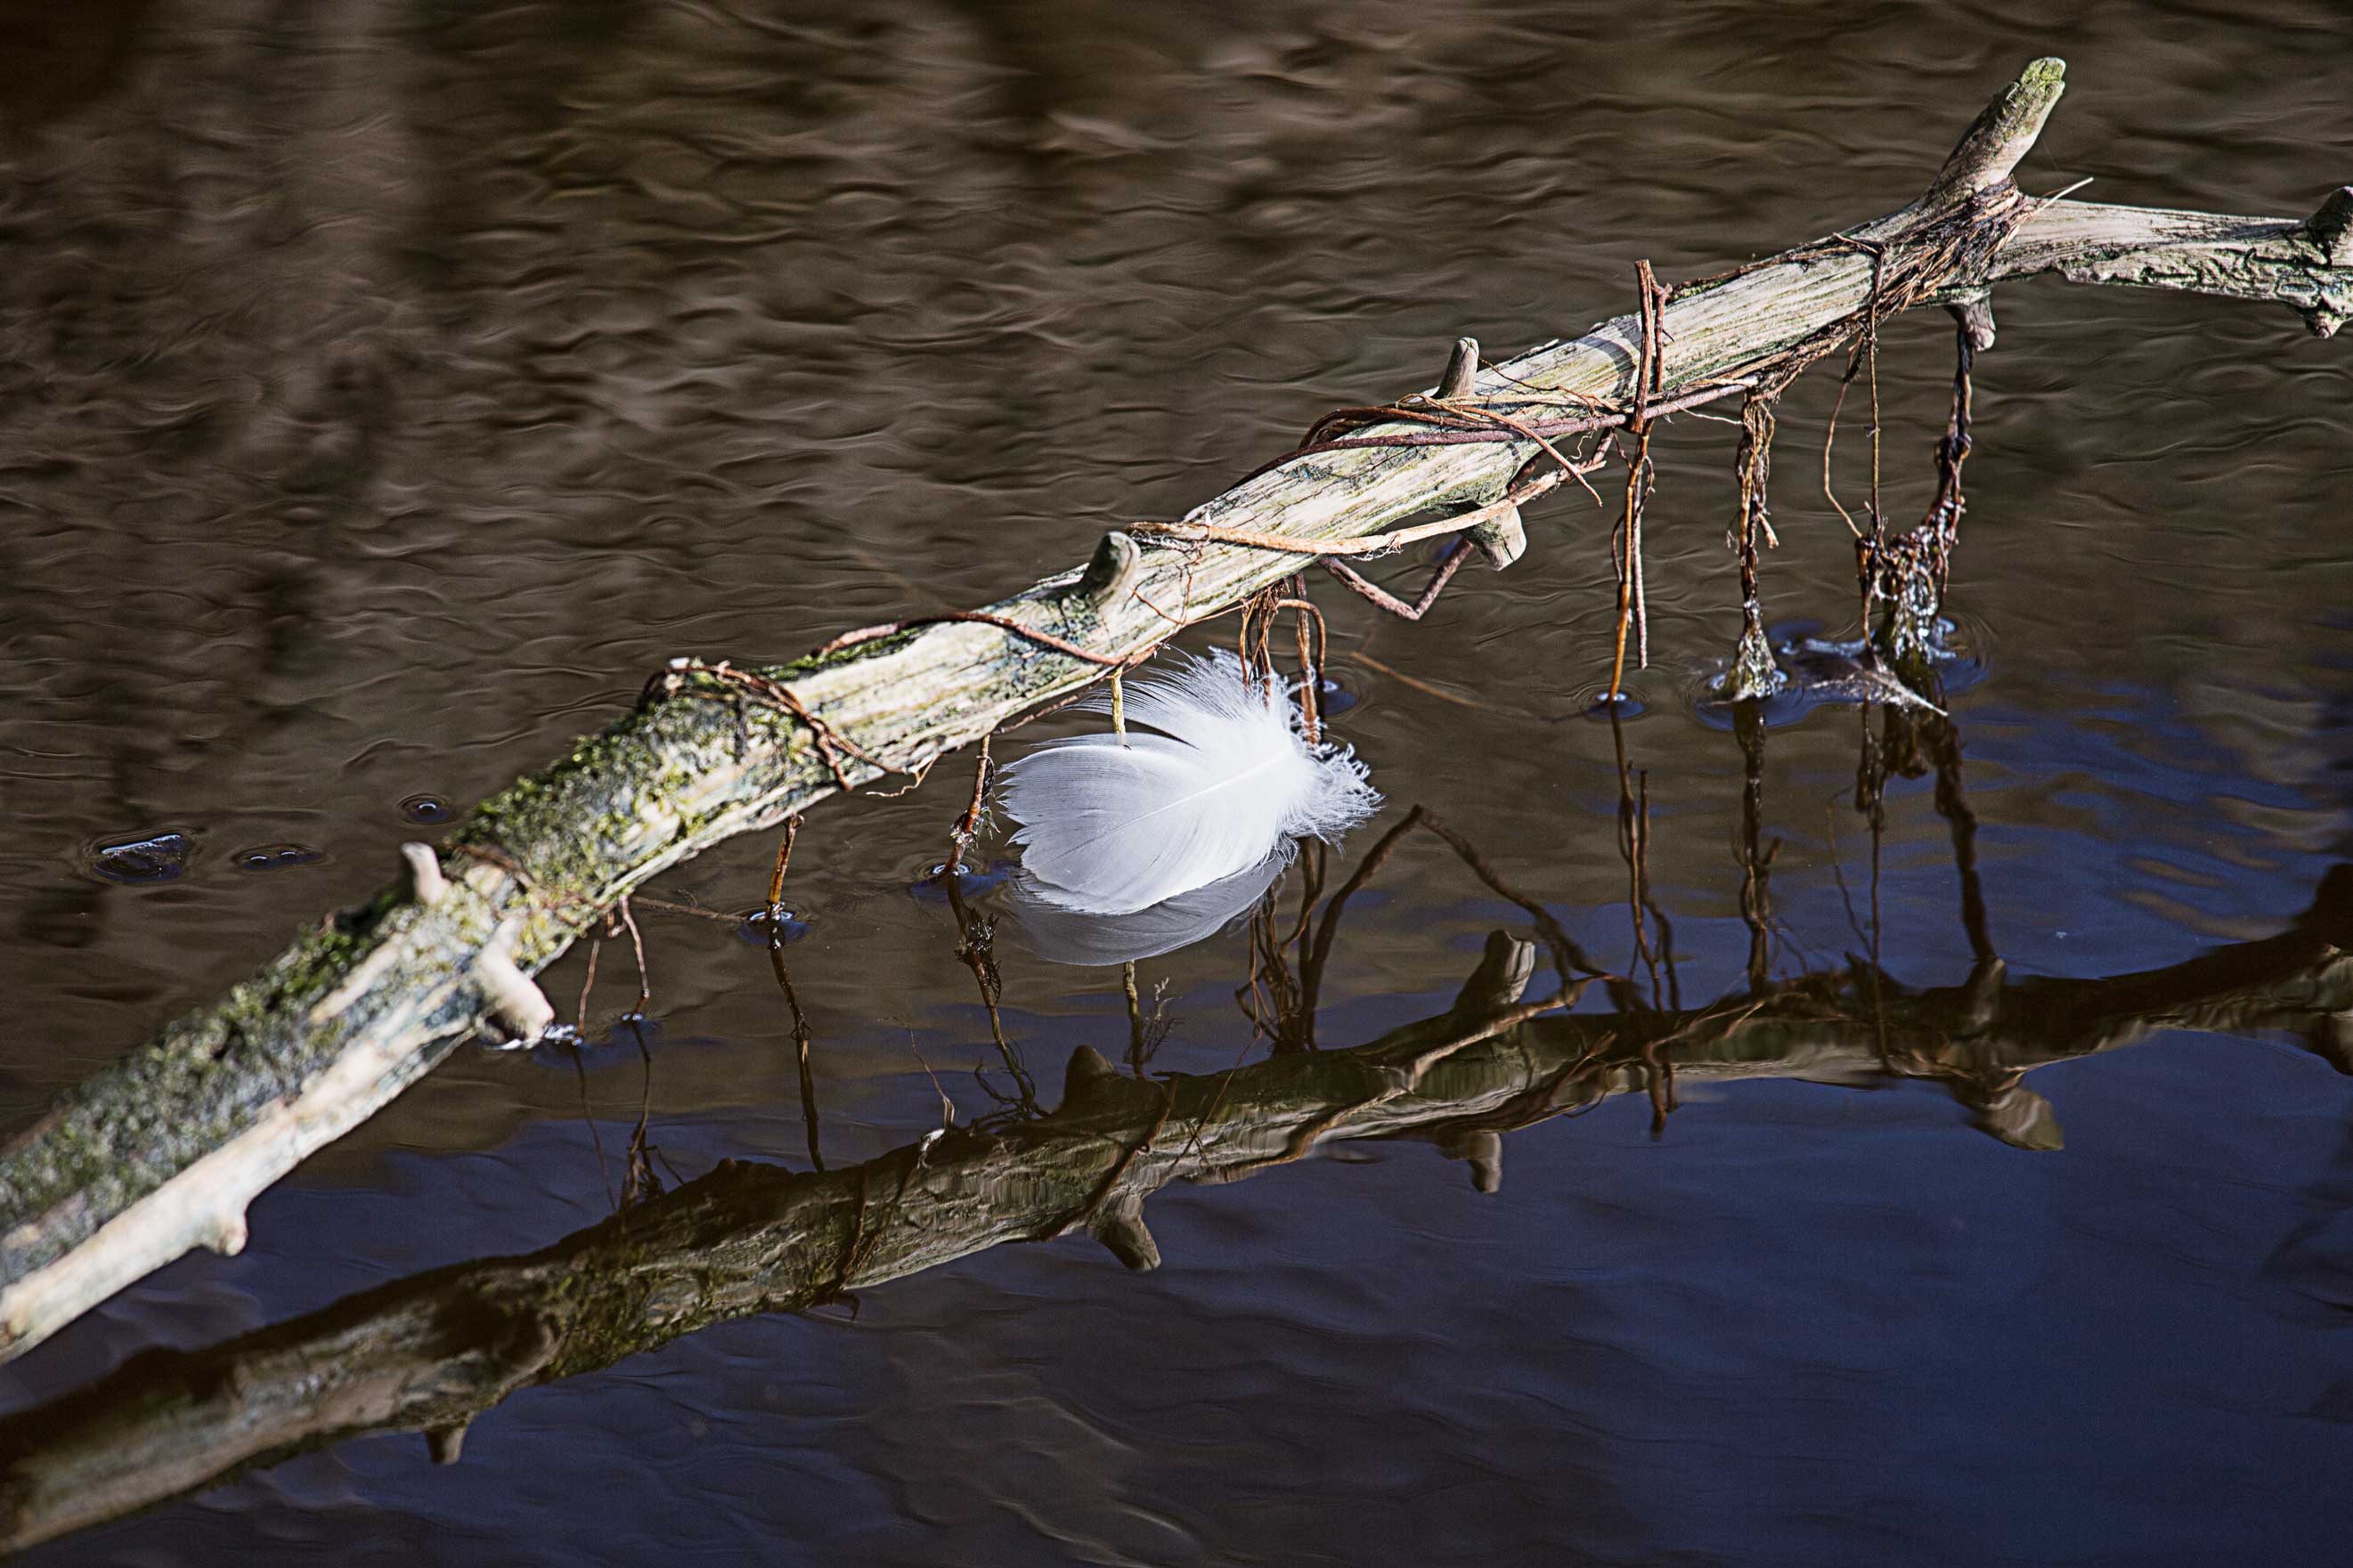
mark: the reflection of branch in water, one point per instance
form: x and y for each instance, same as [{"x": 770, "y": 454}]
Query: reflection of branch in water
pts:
[
  {"x": 976, "y": 950},
  {"x": 1145, "y": 1031},
  {"x": 639, "y": 1178},
  {"x": 1871, "y": 800},
  {"x": 1273, "y": 997},
  {"x": 430, "y": 1352},
  {"x": 800, "y": 1042},
  {"x": 1634, "y": 848},
  {"x": 639, "y": 1181},
  {"x": 1756, "y": 860},
  {"x": 1568, "y": 960},
  {"x": 1311, "y": 986},
  {"x": 1943, "y": 742}
]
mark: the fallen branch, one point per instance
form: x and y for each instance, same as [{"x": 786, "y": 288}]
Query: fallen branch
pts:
[{"x": 164, "y": 1151}]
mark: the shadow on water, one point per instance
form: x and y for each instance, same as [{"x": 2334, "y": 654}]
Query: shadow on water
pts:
[{"x": 430, "y": 1352}]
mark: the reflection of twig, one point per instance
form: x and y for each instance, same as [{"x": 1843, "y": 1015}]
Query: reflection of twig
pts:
[
  {"x": 975, "y": 949},
  {"x": 639, "y": 1181},
  {"x": 577, "y": 1045},
  {"x": 1943, "y": 744},
  {"x": 1402, "y": 679},
  {"x": 947, "y": 1105},
  {"x": 1311, "y": 970},
  {"x": 1271, "y": 997},
  {"x": 1568, "y": 960},
  {"x": 1145, "y": 1032},
  {"x": 800, "y": 1044},
  {"x": 1642, "y": 910},
  {"x": 1871, "y": 786},
  {"x": 1756, "y": 861}
]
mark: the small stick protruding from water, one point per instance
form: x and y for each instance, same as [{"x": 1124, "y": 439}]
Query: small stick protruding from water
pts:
[
  {"x": 1118, "y": 708},
  {"x": 967, "y": 827},
  {"x": 784, "y": 863}
]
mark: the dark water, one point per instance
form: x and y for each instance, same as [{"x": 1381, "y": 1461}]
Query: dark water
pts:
[{"x": 387, "y": 389}]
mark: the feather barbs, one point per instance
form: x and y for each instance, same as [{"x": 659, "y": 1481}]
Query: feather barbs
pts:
[{"x": 1213, "y": 777}]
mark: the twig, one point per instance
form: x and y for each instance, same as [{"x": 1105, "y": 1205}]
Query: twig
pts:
[
  {"x": 1632, "y": 610},
  {"x": 777, "y": 877},
  {"x": 1448, "y": 564},
  {"x": 967, "y": 827},
  {"x": 801, "y": 1045}
]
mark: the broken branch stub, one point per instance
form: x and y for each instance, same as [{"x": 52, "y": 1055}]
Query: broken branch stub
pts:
[{"x": 141, "y": 1161}]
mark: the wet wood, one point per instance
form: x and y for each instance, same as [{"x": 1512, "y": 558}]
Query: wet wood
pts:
[
  {"x": 431, "y": 1352},
  {"x": 164, "y": 1151}
]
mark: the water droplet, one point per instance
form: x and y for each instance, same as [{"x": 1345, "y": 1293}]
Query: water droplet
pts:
[
  {"x": 160, "y": 857},
  {"x": 428, "y": 808},
  {"x": 274, "y": 857}
]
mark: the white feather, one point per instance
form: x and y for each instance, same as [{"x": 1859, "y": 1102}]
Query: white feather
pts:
[{"x": 1228, "y": 781}]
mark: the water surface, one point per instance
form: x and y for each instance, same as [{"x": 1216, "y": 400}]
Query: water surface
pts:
[{"x": 389, "y": 388}]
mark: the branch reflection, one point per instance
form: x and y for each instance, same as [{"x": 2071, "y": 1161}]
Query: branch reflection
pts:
[{"x": 429, "y": 1352}]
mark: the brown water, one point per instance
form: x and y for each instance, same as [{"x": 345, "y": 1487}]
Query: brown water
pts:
[{"x": 388, "y": 388}]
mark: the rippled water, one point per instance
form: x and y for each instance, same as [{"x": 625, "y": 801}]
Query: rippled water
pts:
[{"x": 389, "y": 387}]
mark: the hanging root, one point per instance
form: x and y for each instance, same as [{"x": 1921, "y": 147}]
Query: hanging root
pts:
[
  {"x": 1754, "y": 672},
  {"x": 1904, "y": 577},
  {"x": 1313, "y": 638},
  {"x": 962, "y": 836}
]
